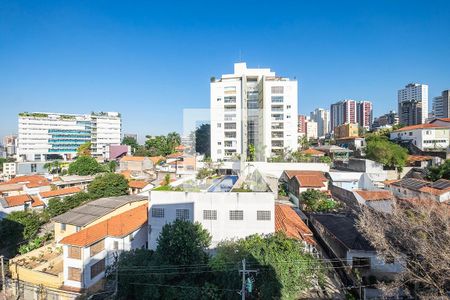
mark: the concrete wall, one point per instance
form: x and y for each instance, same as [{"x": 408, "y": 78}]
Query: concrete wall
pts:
[{"x": 276, "y": 169}]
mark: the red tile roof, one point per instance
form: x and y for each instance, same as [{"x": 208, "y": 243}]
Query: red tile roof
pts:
[
  {"x": 133, "y": 158},
  {"x": 21, "y": 199},
  {"x": 375, "y": 195},
  {"x": 287, "y": 221},
  {"x": 60, "y": 192},
  {"x": 414, "y": 158},
  {"x": 37, "y": 184},
  {"x": 418, "y": 126},
  {"x": 139, "y": 184},
  {"x": 156, "y": 159},
  {"x": 117, "y": 226},
  {"x": 28, "y": 178},
  {"x": 442, "y": 119},
  {"x": 175, "y": 155},
  {"x": 311, "y": 179},
  {"x": 433, "y": 191},
  {"x": 312, "y": 152}
]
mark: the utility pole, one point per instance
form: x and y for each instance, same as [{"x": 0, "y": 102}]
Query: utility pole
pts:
[
  {"x": 3, "y": 275},
  {"x": 244, "y": 272}
]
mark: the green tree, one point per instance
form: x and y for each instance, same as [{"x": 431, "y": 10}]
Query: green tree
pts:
[
  {"x": 251, "y": 152},
  {"x": 283, "y": 265},
  {"x": 439, "y": 172},
  {"x": 108, "y": 185},
  {"x": 112, "y": 166},
  {"x": 317, "y": 201},
  {"x": 85, "y": 165},
  {"x": 84, "y": 149},
  {"x": 142, "y": 151},
  {"x": 203, "y": 139},
  {"x": 304, "y": 142},
  {"x": 30, "y": 220},
  {"x": 162, "y": 145},
  {"x": 381, "y": 150},
  {"x": 130, "y": 141}
]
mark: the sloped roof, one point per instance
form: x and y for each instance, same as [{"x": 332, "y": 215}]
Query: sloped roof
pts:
[
  {"x": 414, "y": 158},
  {"x": 287, "y": 221},
  {"x": 156, "y": 159},
  {"x": 139, "y": 184},
  {"x": 312, "y": 151},
  {"x": 311, "y": 179},
  {"x": 60, "y": 192},
  {"x": 117, "y": 226},
  {"x": 133, "y": 158},
  {"x": 419, "y": 126},
  {"x": 19, "y": 200},
  {"x": 28, "y": 178},
  {"x": 175, "y": 155},
  {"x": 375, "y": 195}
]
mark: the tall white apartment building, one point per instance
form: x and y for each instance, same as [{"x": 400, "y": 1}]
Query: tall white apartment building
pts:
[
  {"x": 441, "y": 107},
  {"x": 413, "y": 104},
  {"x": 42, "y": 135},
  {"x": 252, "y": 107},
  {"x": 322, "y": 118}
]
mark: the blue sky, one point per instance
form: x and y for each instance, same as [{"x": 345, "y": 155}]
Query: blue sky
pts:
[{"x": 151, "y": 60}]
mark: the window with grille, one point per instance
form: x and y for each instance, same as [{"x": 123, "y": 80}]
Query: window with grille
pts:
[
  {"x": 277, "y": 99},
  {"x": 277, "y": 90},
  {"x": 97, "y": 268},
  {"x": 97, "y": 247},
  {"x": 74, "y": 252},
  {"x": 182, "y": 214},
  {"x": 74, "y": 274},
  {"x": 157, "y": 212},
  {"x": 263, "y": 215},
  {"x": 210, "y": 215},
  {"x": 236, "y": 215}
]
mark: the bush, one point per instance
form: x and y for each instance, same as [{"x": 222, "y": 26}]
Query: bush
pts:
[
  {"x": 317, "y": 201},
  {"x": 108, "y": 185},
  {"x": 85, "y": 165}
]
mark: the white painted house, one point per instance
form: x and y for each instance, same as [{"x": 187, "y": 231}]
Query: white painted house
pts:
[{"x": 424, "y": 136}]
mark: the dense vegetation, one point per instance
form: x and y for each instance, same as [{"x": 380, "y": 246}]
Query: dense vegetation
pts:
[
  {"x": 203, "y": 139},
  {"x": 317, "y": 201},
  {"x": 439, "y": 172},
  {"x": 181, "y": 267},
  {"x": 162, "y": 145},
  {"x": 381, "y": 150},
  {"x": 85, "y": 165}
]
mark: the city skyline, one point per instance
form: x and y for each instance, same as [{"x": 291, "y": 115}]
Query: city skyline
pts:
[{"x": 126, "y": 58}]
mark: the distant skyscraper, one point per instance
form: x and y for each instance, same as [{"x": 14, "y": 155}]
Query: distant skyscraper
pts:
[
  {"x": 390, "y": 118},
  {"x": 10, "y": 144},
  {"x": 351, "y": 111},
  {"x": 301, "y": 124},
  {"x": 441, "y": 107},
  {"x": 253, "y": 107},
  {"x": 322, "y": 118},
  {"x": 413, "y": 104}
]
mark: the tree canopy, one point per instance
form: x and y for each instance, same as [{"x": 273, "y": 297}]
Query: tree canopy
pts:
[
  {"x": 130, "y": 141},
  {"x": 439, "y": 172},
  {"x": 203, "y": 139},
  {"x": 381, "y": 150},
  {"x": 85, "y": 165},
  {"x": 108, "y": 185},
  {"x": 317, "y": 201},
  {"x": 84, "y": 149},
  {"x": 162, "y": 145}
]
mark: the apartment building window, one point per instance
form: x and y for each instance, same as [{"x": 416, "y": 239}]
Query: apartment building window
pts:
[
  {"x": 116, "y": 245},
  {"x": 34, "y": 167},
  {"x": 228, "y": 144},
  {"x": 97, "y": 247},
  {"x": 288, "y": 106},
  {"x": 157, "y": 212},
  {"x": 210, "y": 214},
  {"x": 230, "y": 99},
  {"x": 263, "y": 215},
  {"x": 230, "y": 125},
  {"x": 230, "y": 134},
  {"x": 277, "y": 89},
  {"x": 219, "y": 151},
  {"x": 74, "y": 252},
  {"x": 97, "y": 268},
  {"x": 62, "y": 227},
  {"x": 219, "y": 125},
  {"x": 219, "y": 99},
  {"x": 219, "y": 143},
  {"x": 74, "y": 274},
  {"x": 236, "y": 215},
  {"x": 229, "y": 90},
  {"x": 182, "y": 214},
  {"x": 277, "y": 99}
]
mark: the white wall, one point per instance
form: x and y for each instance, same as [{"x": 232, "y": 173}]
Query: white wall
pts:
[
  {"x": 425, "y": 138},
  {"x": 377, "y": 264},
  {"x": 222, "y": 228},
  {"x": 276, "y": 169}
]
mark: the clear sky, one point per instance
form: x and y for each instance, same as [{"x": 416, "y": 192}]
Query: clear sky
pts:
[{"x": 150, "y": 59}]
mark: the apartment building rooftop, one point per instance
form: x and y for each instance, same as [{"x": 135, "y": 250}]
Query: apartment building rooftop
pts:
[{"x": 94, "y": 210}]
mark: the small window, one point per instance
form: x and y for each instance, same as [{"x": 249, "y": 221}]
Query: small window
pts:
[
  {"x": 157, "y": 212},
  {"x": 219, "y": 143},
  {"x": 288, "y": 106},
  {"x": 63, "y": 227},
  {"x": 236, "y": 215},
  {"x": 210, "y": 215},
  {"x": 78, "y": 228},
  {"x": 182, "y": 214},
  {"x": 219, "y": 99},
  {"x": 74, "y": 274},
  {"x": 97, "y": 247},
  {"x": 219, "y": 125},
  {"x": 361, "y": 262},
  {"x": 116, "y": 245},
  {"x": 263, "y": 215},
  {"x": 74, "y": 252},
  {"x": 277, "y": 90},
  {"x": 97, "y": 268}
]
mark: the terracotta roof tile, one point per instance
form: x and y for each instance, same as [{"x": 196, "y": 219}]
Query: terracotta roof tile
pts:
[
  {"x": 418, "y": 126},
  {"x": 156, "y": 159},
  {"x": 375, "y": 195},
  {"x": 414, "y": 158},
  {"x": 37, "y": 184},
  {"x": 133, "y": 158},
  {"x": 175, "y": 155},
  {"x": 117, "y": 226},
  {"x": 28, "y": 178},
  {"x": 292, "y": 173},
  {"x": 60, "y": 192},
  {"x": 287, "y": 221},
  {"x": 36, "y": 202},
  {"x": 310, "y": 179},
  {"x": 312, "y": 151},
  {"x": 139, "y": 184},
  {"x": 21, "y": 199}
]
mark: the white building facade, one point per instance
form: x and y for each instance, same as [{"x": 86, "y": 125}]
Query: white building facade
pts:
[
  {"x": 225, "y": 215},
  {"x": 322, "y": 117},
  {"x": 252, "y": 107},
  {"x": 44, "y": 134},
  {"x": 425, "y": 137}
]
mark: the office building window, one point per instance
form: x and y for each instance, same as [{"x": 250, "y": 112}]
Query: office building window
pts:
[
  {"x": 210, "y": 214},
  {"x": 263, "y": 215},
  {"x": 236, "y": 215},
  {"x": 157, "y": 212},
  {"x": 182, "y": 214},
  {"x": 97, "y": 268}
]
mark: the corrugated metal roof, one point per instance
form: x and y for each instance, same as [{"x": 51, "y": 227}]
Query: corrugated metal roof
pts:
[{"x": 89, "y": 212}]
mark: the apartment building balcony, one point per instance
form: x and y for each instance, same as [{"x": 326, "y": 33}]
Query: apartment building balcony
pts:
[
  {"x": 277, "y": 144},
  {"x": 230, "y": 135},
  {"x": 230, "y": 126},
  {"x": 229, "y": 99},
  {"x": 277, "y": 117},
  {"x": 277, "y": 126},
  {"x": 277, "y": 135},
  {"x": 278, "y": 108}
]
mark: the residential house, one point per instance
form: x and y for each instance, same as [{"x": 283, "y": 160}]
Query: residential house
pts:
[
  {"x": 425, "y": 137},
  {"x": 335, "y": 152},
  {"x": 19, "y": 203},
  {"x": 443, "y": 122},
  {"x": 92, "y": 213},
  {"x": 45, "y": 196},
  {"x": 138, "y": 166},
  {"x": 88, "y": 252},
  {"x": 67, "y": 181},
  {"x": 420, "y": 189},
  {"x": 380, "y": 200},
  {"x": 138, "y": 186}
]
